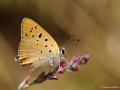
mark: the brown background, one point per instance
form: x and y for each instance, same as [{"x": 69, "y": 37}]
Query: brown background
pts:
[{"x": 95, "y": 22}]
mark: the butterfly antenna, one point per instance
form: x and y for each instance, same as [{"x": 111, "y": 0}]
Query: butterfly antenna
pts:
[{"x": 71, "y": 39}]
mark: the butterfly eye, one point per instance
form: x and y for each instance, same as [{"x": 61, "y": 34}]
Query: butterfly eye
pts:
[{"x": 63, "y": 51}]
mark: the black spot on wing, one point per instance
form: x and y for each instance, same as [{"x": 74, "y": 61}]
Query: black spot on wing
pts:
[
  {"x": 32, "y": 35},
  {"x": 45, "y": 45},
  {"x": 31, "y": 30},
  {"x": 40, "y": 35},
  {"x": 46, "y": 39},
  {"x": 50, "y": 51},
  {"x": 36, "y": 26},
  {"x": 51, "y": 45},
  {"x": 78, "y": 40},
  {"x": 26, "y": 34},
  {"x": 17, "y": 57}
]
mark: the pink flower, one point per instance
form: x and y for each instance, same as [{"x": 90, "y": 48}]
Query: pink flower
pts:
[
  {"x": 74, "y": 67},
  {"x": 75, "y": 59},
  {"x": 24, "y": 84},
  {"x": 84, "y": 59},
  {"x": 62, "y": 67}
]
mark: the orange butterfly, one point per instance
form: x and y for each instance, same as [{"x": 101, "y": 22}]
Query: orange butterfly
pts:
[{"x": 37, "y": 48}]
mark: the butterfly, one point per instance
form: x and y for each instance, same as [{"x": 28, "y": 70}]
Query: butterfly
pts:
[{"x": 37, "y": 48}]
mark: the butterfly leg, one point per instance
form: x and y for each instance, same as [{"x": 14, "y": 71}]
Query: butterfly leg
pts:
[
  {"x": 66, "y": 61},
  {"x": 50, "y": 68},
  {"x": 53, "y": 73}
]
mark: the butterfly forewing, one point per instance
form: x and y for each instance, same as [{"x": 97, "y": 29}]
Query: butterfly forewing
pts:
[{"x": 36, "y": 46}]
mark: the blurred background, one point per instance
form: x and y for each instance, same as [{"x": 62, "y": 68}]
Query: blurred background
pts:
[{"x": 95, "y": 22}]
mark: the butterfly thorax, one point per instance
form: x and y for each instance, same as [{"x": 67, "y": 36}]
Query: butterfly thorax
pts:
[{"x": 55, "y": 61}]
